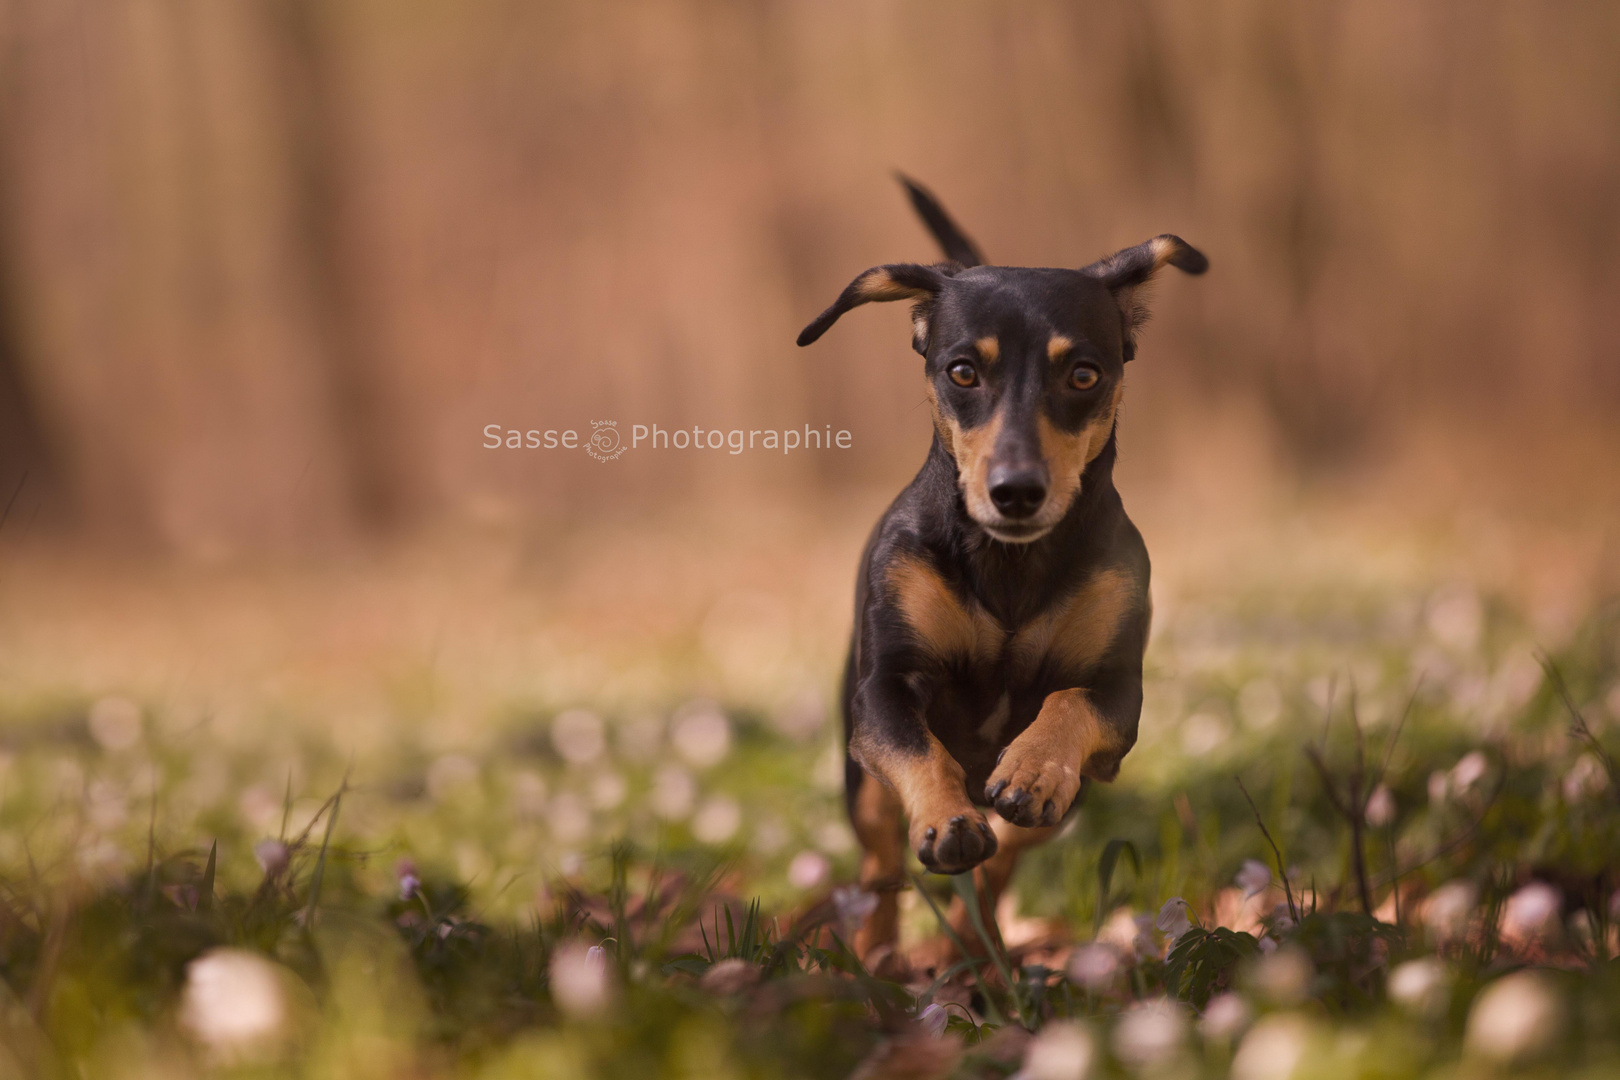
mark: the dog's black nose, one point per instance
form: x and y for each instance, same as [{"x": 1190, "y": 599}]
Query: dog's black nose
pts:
[{"x": 1018, "y": 490}]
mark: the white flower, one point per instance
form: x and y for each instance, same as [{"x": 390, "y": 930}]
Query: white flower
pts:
[
  {"x": 579, "y": 979},
  {"x": 1094, "y": 966},
  {"x": 234, "y": 1003},
  {"x": 673, "y": 793},
  {"x": 701, "y": 734},
  {"x": 1173, "y": 918},
  {"x": 115, "y": 723},
  {"x": 808, "y": 869},
  {"x": 569, "y": 818},
  {"x": 1150, "y": 1032},
  {"x": 607, "y": 790},
  {"x": 854, "y": 906},
  {"x": 1202, "y": 733},
  {"x": 578, "y": 736},
  {"x": 1439, "y": 787},
  {"x": 1468, "y": 771},
  {"x": 1381, "y": 806},
  {"x": 1516, "y": 1017},
  {"x": 1284, "y": 975},
  {"x": 717, "y": 820},
  {"x": 1420, "y": 985},
  {"x": 1063, "y": 1050},
  {"x": 1273, "y": 1048},
  {"x": 1224, "y": 1017},
  {"x": 1447, "y": 911},
  {"x": 933, "y": 1019},
  {"x": 1253, "y": 877},
  {"x": 529, "y": 794},
  {"x": 1532, "y": 911}
]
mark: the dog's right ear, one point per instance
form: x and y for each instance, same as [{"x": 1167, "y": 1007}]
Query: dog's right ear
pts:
[{"x": 896, "y": 281}]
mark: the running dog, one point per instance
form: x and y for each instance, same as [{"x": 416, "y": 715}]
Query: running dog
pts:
[{"x": 1002, "y": 607}]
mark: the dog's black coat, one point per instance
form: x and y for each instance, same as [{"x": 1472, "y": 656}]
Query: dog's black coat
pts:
[{"x": 895, "y": 688}]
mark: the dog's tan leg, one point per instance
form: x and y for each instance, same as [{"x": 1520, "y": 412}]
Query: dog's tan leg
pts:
[
  {"x": 947, "y": 831},
  {"x": 1039, "y": 773},
  {"x": 878, "y": 826}
]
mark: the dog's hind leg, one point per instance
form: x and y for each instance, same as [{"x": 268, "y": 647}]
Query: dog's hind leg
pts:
[
  {"x": 990, "y": 878},
  {"x": 879, "y": 823}
]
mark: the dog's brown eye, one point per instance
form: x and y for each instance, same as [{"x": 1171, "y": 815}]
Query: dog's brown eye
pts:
[
  {"x": 962, "y": 373},
  {"x": 1084, "y": 377}
]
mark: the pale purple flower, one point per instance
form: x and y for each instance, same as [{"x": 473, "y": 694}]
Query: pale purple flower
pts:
[
  {"x": 1173, "y": 918},
  {"x": 271, "y": 855},
  {"x": 1253, "y": 877},
  {"x": 409, "y": 883},
  {"x": 579, "y": 979},
  {"x": 933, "y": 1019},
  {"x": 854, "y": 906}
]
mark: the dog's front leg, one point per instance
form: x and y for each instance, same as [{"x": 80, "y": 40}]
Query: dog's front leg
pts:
[
  {"x": 891, "y": 740},
  {"x": 1039, "y": 773}
]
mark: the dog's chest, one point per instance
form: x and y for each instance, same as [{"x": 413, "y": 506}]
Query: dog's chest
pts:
[{"x": 1064, "y": 637}]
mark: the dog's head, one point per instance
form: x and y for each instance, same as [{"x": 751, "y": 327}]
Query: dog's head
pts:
[{"x": 1025, "y": 366}]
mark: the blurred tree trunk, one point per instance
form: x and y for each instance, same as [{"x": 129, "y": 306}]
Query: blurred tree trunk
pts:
[{"x": 158, "y": 223}]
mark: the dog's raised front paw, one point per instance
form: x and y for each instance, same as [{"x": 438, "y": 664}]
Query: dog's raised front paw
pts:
[
  {"x": 1030, "y": 792},
  {"x": 957, "y": 844}
]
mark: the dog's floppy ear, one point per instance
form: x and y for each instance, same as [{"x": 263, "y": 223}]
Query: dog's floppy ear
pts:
[
  {"x": 1127, "y": 272},
  {"x": 896, "y": 281}
]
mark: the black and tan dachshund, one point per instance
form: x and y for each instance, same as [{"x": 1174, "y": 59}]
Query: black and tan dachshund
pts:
[{"x": 1002, "y": 607}]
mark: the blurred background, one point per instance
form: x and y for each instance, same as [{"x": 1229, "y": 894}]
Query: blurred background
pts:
[{"x": 269, "y": 267}]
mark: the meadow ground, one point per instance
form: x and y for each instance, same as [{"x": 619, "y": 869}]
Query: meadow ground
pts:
[{"x": 568, "y": 805}]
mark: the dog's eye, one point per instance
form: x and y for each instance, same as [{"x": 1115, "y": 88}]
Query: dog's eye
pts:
[
  {"x": 962, "y": 374},
  {"x": 1084, "y": 377}
]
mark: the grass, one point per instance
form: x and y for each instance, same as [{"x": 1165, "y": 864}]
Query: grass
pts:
[{"x": 1415, "y": 778}]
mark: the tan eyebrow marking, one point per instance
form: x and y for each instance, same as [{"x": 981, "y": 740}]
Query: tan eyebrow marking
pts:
[
  {"x": 1058, "y": 347},
  {"x": 989, "y": 348}
]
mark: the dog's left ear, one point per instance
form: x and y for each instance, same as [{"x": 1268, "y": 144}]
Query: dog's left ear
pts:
[
  {"x": 896, "y": 281},
  {"x": 1126, "y": 274}
]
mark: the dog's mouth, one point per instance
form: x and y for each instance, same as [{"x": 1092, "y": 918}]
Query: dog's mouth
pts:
[{"x": 1016, "y": 532}]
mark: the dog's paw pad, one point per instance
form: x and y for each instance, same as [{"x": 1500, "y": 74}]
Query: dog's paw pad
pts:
[{"x": 960, "y": 844}]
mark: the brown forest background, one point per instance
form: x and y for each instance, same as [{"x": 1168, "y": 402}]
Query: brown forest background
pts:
[{"x": 267, "y": 267}]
